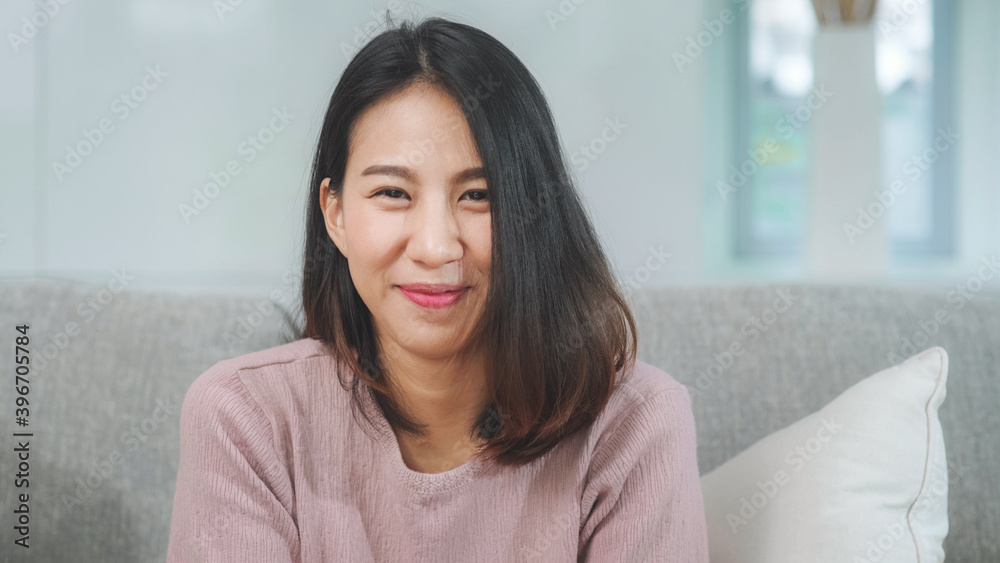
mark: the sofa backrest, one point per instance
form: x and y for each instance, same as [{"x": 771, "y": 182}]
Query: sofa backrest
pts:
[
  {"x": 110, "y": 368},
  {"x": 758, "y": 358}
]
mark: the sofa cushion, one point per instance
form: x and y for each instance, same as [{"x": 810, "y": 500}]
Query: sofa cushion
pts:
[
  {"x": 863, "y": 479},
  {"x": 799, "y": 346}
]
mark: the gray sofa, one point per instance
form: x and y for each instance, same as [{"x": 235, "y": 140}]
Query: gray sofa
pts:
[{"x": 105, "y": 394}]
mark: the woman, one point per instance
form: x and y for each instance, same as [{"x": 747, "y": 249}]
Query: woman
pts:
[{"x": 456, "y": 296}]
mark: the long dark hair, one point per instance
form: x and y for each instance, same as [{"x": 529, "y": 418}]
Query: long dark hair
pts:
[{"x": 557, "y": 332}]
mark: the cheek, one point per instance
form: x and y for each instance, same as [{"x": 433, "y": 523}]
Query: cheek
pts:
[
  {"x": 372, "y": 241},
  {"x": 373, "y": 234},
  {"x": 480, "y": 239}
]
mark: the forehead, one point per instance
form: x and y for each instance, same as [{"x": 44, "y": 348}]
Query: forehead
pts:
[{"x": 418, "y": 127}]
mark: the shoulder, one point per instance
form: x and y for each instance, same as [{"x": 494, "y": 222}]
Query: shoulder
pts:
[
  {"x": 245, "y": 382},
  {"x": 646, "y": 387},
  {"x": 647, "y": 406},
  {"x": 647, "y": 424},
  {"x": 271, "y": 359},
  {"x": 646, "y": 380},
  {"x": 282, "y": 354},
  {"x": 642, "y": 494}
]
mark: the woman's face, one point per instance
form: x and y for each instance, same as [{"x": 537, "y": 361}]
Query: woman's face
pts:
[{"x": 414, "y": 210}]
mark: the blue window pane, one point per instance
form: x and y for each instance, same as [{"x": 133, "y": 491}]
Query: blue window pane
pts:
[
  {"x": 780, "y": 77},
  {"x": 904, "y": 67}
]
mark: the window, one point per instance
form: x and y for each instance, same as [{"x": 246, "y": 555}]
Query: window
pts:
[{"x": 914, "y": 62}]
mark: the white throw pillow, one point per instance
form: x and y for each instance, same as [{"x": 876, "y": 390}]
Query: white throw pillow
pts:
[{"x": 863, "y": 479}]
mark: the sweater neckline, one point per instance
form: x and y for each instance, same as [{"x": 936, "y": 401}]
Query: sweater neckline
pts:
[{"x": 416, "y": 481}]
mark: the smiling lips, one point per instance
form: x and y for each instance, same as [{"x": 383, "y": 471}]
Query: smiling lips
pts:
[{"x": 433, "y": 296}]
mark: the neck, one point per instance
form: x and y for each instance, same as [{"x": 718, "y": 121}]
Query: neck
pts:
[{"x": 447, "y": 395}]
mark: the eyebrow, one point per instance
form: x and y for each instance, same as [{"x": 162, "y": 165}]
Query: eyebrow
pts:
[{"x": 405, "y": 173}]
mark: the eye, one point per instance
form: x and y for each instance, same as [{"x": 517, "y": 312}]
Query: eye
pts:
[
  {"x": 485, "y": 195},
  {"x": 395, "y": 193},
  {"x": 386, "y": 191}
]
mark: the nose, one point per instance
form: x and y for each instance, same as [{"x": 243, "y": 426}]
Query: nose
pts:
[{"x": 435, "y": 233}]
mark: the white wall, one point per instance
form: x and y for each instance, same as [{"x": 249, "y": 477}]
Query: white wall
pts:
[{"x": 225, "y": 76}]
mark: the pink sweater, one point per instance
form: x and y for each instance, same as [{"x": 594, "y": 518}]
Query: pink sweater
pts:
[{"x": 274, "y": 468}]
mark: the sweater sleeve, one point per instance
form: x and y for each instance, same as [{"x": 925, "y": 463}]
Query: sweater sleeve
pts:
[
  {"x": 233, "y": 500},
  {"x": 645, "y": 490}
]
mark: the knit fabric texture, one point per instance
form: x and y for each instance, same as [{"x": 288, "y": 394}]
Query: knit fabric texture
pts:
[{"x": 275, "y": 467}]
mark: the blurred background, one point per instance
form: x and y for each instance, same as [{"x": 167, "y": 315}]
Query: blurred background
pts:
[{"x": 166, "y": 144}]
